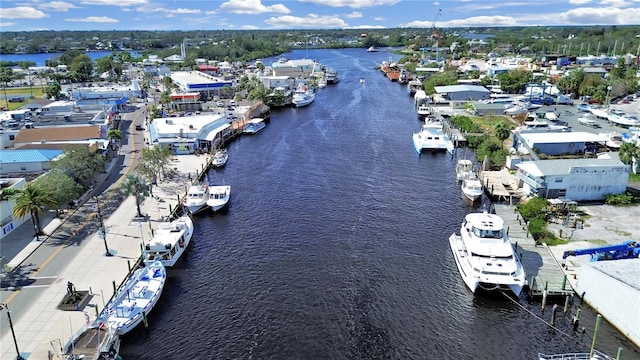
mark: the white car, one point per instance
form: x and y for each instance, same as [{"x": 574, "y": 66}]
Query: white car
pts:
[{"x": 219, "y": 103}]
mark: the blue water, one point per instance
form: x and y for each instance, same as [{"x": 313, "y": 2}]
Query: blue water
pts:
[
  {"x": 334, "y": 246},
  {"x": 40, "y": 59}
]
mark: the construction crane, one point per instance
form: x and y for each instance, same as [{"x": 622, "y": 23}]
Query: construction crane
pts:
[
  {"x": 626, "y": 250},
  {"x": 436, "y": 35}
]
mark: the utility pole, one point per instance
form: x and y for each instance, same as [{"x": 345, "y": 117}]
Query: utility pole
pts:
[
  {"x": 15, "y": 342},
  {"x": 103, "y": 231}
]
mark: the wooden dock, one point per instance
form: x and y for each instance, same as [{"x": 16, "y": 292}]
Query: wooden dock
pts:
[
  {"x": 501, "y": 185},
  {"x": 542, "y": 269}
]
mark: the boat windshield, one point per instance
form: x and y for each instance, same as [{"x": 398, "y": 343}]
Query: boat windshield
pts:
[{"x": 487, "y": 234}]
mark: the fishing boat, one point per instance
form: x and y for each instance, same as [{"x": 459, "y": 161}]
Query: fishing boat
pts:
[
  {"x": 464, "y": 169},
  {"x": 472, "y": 188},
  {"x": 423, "y": 111},
  {"x": 196, "y": 198},
  {"x": 303, "y": 96},
  {"x": 218, "y": 196},
  {"x": 92, "y": 342},
  {"x": 170, "y": 240},
  {"x": 136, "y": 298},
  {"x": 220, "y": 158},
  {"x": 484, "y": 255},
  {"x": 332, "y": 76},
  {"x": 254, "y": 125}
]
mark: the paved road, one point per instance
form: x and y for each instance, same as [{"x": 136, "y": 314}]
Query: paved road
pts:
[{"x": 28, "y": 281}]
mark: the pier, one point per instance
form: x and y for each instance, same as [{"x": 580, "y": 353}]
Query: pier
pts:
[
  {"x": 500, "y": 185},
  {"x": 543, "y": 271}
]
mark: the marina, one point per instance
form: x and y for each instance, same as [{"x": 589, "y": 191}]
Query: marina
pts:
[{"x": 296, "y": 270}]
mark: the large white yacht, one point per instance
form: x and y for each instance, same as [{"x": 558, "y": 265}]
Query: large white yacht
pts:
[
  {"x": 484, "y": 255},
  {"x": 432, "y": 137},
  {"x": 170, "y": 240}
]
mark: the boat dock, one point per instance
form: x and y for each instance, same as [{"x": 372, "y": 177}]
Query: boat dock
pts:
[
  {"x": 500, "y": 185},
  {"x": 542, "y": 269}
]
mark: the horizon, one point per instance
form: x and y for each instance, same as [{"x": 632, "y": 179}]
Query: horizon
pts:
[{"x": 191, "y": 15}]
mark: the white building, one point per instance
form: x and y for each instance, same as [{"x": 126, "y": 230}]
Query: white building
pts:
[
  {"x": 7, "y": 222},
  {"x": 575, "y": 179},
  {"x": 187, "y": 134},
  {"x": 295, "y": 68},
  {"x": 600, "y": 280}
]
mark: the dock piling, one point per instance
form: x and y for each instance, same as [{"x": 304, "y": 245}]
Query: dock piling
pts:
[
  {"x": 576, "y": 320},
  {"x": 566, "y": 306},
  {"x": 553, "y": 315},
  {"x": 129, "y": 266},
  {"x": 114, "y": 287}
]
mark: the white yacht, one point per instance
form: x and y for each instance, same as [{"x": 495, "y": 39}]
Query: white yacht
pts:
[
  {"x": 196, "y": 198},
  {"x": 413, "y": 86},
  {"x": 303, "y": 97},
  {"x": 588, "y": 119},
  {"x": 220, "y": 158},
  {"x": 464, "y": 169},
  {"x": 218, "y": 196},
  {"x": 254, "y": 125},
  {"x": 423, "y": 111},
  {"x": 135, "y": 298},
  {"x": 484, "y": 255},
  {"x": 472, "y": 188},
  {"x": 432, "y": 137},
  {"x": 332, "y": 76},
  {"x": 170, "y": 240}
]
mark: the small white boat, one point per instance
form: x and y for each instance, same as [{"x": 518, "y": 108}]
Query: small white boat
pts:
[
  {"x": 372, "y": 49},
  {"x": 413, "y": 86},
  {"x": 588, "y": 119},
  {"x": 612, "y": 140},
  {"x": 93, "y": 341},
  {"x": 485, "y": 256},
  {"x": 472, "y": 188},
  {"x": 254, "y": 125},
  {"x": 322, "y": 83},
  {"x": 432, "y": 137},
  {"x": 218, "y": 196},
  {"x": 303, "y": 97},
  {"x": 597, "y": 355},
  {"x": 170, "y": 240},
  {"x": 220, "y": 158},
  {"x": 464, "y": 169},
  {"x": 196, "y": 198},
  {"x": 136, "y": 298},
  {"x": 362, "y": 81},
  {"x": 423, "y": 111}
]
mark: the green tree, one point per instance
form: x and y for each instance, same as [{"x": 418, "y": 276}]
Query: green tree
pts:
[
  {"x": 502, "y": 131},
  {"x": 627, "y": 152},
  {"x": 81, "y": 68},
  {"x": 61, "y": 185},
  {"x": 6, "y": 75},
  {"x": 136, "y": 186},
  {"x": 514, "y": 81},
  {"x": 82, "y": 165},
  {"x": 154, "y": 161},
  {"x": 33, "y": 200},
  {"x": 53, "y": 91}
]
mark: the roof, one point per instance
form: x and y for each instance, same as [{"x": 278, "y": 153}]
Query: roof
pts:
[
  {"x": 460, "y": 88},
  {"x": 559, "y": 137},
  {"x": 28, "y": 156},
  {"x": 59, "y": 133},
  {"x": 542, "y": 168},
  {"x": 624, "y": 270}
]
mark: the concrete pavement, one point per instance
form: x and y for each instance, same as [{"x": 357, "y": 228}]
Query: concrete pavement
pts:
[{"x": 40, "y": 328}]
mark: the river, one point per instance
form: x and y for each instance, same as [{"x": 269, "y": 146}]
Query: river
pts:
[{"x": 335, "y": 246}]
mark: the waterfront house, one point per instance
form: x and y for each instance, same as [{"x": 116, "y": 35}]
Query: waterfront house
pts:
[
  {"x": 575, "y": 179},
  {"x": 188, "y": 134},
  {"x": 556, "y": 143}
]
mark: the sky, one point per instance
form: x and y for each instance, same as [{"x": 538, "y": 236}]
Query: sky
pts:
[{"x": 166, "y": 15}]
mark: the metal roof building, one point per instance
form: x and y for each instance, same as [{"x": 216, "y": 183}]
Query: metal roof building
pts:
[
  {"x": 576, "y": 179},
  {"x": 26, "y": 161},
  {"x": 612, "y": 288},
  {"x": 463, "y": 92}
]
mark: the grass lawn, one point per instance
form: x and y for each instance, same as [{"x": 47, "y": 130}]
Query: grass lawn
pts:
[{"x": 19, "y": 91}]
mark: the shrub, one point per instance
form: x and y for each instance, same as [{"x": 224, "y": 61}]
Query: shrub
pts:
[{"x": 621, "y": 199}]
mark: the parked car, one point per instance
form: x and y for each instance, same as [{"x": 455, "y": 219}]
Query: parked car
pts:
[
  {"x": 17, "y": 99},
  {"x": 219, "y": 103},
  {"x": 139, "y": 127}
]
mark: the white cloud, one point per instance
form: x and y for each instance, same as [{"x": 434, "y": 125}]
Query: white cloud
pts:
[
  {"x": 616, "y": 3},
  {"x": 367, "y": 27},
  {"x": 598, "y": 16},
  {"x": 93, "y": 19},
  {"x": 310, "y": 21},
  {"x": 252, "y": 7},
  {"x": 186, "y": 11},
  {"x": 379, "y": 18},
  {"x": 579, "y": 2},
  {"x": 354, "y": 15},
  {"x": 497, "y": 20},
  {"x": 355, "y": 4},
  {"x": 57, "y": 6},
  {"x": 7, "y": 24},
  {"x": 21, "y": 12},
  {"x": 119, "y": 3},
  {"x": 436, "y": 3},
  {"x": 495, "y": 5}
]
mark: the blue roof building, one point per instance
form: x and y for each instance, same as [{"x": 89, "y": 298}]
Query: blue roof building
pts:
[{"x": 26, "y": 161}]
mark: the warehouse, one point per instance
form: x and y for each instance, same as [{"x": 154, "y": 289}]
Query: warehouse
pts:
[{"x": 462, "y": 92}]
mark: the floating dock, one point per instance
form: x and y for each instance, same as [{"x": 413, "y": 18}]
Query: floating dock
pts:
[{"x": 542, "y": 269}]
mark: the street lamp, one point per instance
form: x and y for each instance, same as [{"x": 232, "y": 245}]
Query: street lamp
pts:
[
  {"x": 103, "y": 231},
  {"x": 608, "y": 95},
  {"x": 15, "y": 342}
]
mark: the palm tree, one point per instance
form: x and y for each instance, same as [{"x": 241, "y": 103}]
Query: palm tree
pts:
[
  {"x": 502, "y": 131},
  {"x": 114, "y": 134},
  {"x": 627, "y": 152},
  {"x": 135, "y": 185},
  {"x": 33, "y": 200}
]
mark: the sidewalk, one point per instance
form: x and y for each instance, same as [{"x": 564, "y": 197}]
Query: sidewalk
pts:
[{"x": 43, "y": 322}]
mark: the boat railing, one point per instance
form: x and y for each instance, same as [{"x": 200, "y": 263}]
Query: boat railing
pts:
[{"x": 597, "y": 355}]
